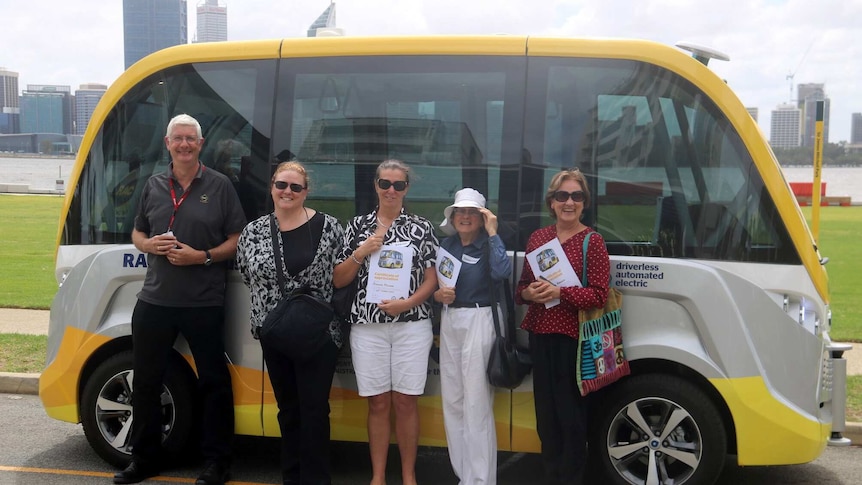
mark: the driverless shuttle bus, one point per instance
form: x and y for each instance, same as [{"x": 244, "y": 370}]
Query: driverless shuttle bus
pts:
[{"x": 726, "y": 316}]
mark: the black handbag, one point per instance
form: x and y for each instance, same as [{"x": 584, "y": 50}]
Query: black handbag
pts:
[
  {"x": 508, "y": 363},
  {"x": 299, "y": 323},
  {"x": 342, "y": 304},
  {"x": 342, "y": 300}
]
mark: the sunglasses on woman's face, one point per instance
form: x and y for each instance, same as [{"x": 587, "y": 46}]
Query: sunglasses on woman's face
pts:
[
  {"x": 400, "y": 185},
  {"x": 576, "y": 196},
  {"x": 281, "y": 185}
]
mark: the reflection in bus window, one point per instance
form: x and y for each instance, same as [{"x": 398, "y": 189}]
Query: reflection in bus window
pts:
[
  {"x": 671, "y": 176},
  {"x": 221, "y": 95}
]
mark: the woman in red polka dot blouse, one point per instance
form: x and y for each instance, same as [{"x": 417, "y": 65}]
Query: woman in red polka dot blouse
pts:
[{"x": 561, "y": 412}]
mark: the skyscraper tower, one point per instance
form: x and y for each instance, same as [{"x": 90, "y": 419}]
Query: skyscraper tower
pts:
[
  {"x": 9, "y": 110},
  {"x": 856, "y": 129},
  {"x": 325, "y": 21},
  {"x": 152, "y": 25},
  {"x": 47, "y": 108},
  {"x": 784, "y": 126},
  {"x": 211, "y": 22},
  {"x": 86, "y": 98},
  {"x": 807, "y": 97}
]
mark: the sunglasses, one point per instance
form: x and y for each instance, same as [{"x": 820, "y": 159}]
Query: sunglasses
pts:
[
  {"x": 399, "y": 185},
  {"x": 576, "y": 196},
  {"x": 281, "y": 185}
]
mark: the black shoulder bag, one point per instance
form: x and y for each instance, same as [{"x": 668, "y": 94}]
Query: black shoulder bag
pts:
[
  {"x": 299, "y": 323},
  {"x": 508, "y": 364},
  {"x": 342, "y": 300}
]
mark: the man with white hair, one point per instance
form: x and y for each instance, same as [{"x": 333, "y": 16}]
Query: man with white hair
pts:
[{"x": 188, "y": 223}]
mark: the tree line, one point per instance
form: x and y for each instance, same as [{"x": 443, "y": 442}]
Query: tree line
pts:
[{"x": 833, "y": 155}]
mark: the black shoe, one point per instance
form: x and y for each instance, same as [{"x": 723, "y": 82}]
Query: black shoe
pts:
[
  {"x": 135, "y": 472},
  {"x": 214, "y": 474}
]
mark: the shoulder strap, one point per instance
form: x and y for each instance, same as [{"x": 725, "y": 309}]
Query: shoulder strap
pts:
[
  {"x": 510, "y": 304},
  {"x": 276, "y": 252},
  {"x": 586, "y": 247}
]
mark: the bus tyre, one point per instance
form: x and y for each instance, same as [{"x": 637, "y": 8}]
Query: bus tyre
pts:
[
  {"x": 106, "y": 409},
  {"x": 654, "y": 429}
]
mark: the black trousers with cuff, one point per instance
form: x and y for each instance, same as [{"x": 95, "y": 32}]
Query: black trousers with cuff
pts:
[
  {"x": 302, "y": 392},
  {"x": 154, "y": 331},
  {"x": 561, "y": 411}
]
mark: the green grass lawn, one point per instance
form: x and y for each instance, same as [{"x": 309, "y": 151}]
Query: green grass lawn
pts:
[
  {"x": 28, "y": 225},
  {"x": 839, "y": 228},
  {"x": 22, "y": 353}
]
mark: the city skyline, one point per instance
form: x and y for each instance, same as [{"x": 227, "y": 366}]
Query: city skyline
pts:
[{"x": 774, "y": 45}]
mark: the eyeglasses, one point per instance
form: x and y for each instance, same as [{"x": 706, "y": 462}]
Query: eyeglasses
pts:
[
  {"x": 281, "y": 185},
  {"x": 562, "y": 196},
  {"x": 466, "y": 211},
  {"x": 191, "y": 140},
  {"x": 399, "y": 185}
]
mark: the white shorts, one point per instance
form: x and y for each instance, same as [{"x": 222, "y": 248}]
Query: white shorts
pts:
[{"x": 391, "y": 357}]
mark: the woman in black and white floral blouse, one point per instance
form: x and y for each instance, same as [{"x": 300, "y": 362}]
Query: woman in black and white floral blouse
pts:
[
  {"x": 390, "y": 340},
  {"x": 309, "y": 241}
]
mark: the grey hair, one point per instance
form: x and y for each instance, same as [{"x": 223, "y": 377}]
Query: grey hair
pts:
[{"x": 183, "y": 120}]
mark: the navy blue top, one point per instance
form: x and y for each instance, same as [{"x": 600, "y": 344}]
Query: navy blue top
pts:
[{"x": 472, "y": 285}]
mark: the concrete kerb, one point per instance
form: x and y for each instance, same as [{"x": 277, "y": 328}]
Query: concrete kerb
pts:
[
  {"x": 36, "y": 322},
  {"x": 19, "y": 383}
]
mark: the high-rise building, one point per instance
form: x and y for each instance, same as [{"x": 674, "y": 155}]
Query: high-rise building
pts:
[
  {"x": 808, "y": 94},
  {"x": 152, "y": 25},
  {"x": 46, "y": 109},
  {"x": 9, "y": 107},
  {"x": 86, "y": 98},
  {"x": 211, "y": 22},
  {"x": 784, "y": 126},
  {"x": 326, "y": 20},
  {"x": 856, "y": 129}
]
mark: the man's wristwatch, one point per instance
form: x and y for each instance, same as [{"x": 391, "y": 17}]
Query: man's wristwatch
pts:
[{"x": 209, "y": 259}]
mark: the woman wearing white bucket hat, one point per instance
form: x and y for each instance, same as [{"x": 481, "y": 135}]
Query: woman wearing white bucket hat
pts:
[{"x": 466, "y": 335}]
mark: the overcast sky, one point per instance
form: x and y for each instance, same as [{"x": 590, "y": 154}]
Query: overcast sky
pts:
[{"x": 75, "y": 42}]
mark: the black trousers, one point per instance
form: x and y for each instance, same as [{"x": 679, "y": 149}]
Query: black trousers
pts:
[
  {"x": 302, "y": 392},
  {"x": 561, "y": 412},
  {"x": 154, "y": 331}
]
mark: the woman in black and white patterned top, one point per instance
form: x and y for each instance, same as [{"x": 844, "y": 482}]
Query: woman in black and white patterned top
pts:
[
  {"x": 390, "y": 340},
  {"x": 309, "y": 242}
]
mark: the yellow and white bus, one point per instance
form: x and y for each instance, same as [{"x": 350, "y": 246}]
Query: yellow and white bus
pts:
[{"x": 726, "y": 315}]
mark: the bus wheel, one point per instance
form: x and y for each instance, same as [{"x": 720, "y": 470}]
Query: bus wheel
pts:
[
  {"x": 106, "y": 410},
  {"x": 657, "y": 429}
]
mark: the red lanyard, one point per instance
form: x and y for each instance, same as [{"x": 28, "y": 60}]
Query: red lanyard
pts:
[{"x": 176, "y": 202}]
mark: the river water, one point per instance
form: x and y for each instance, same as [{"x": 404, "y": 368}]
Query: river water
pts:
[
  {"x": 38, "y": 173},
  {"x": 43, "y": 173}
]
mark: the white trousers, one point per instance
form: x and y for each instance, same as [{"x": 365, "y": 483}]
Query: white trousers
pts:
[{"x": 466, "y": 336}]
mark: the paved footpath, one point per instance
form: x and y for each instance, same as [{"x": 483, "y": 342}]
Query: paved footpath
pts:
[
  {"x": 35, "y": 322},
  {"x": 32, "y": 322}
]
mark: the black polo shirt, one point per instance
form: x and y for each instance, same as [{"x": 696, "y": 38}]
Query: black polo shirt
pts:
[{"x": 210, "y": 212}]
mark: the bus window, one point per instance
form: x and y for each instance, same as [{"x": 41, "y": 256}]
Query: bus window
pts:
[
  {"x": 446, "y": 117},
  {"x": 669, "y": 176},
  {"x": 129, "y": 146}
]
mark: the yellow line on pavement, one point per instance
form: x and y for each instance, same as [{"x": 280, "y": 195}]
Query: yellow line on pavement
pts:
[{"x": 82, "y": 473}]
